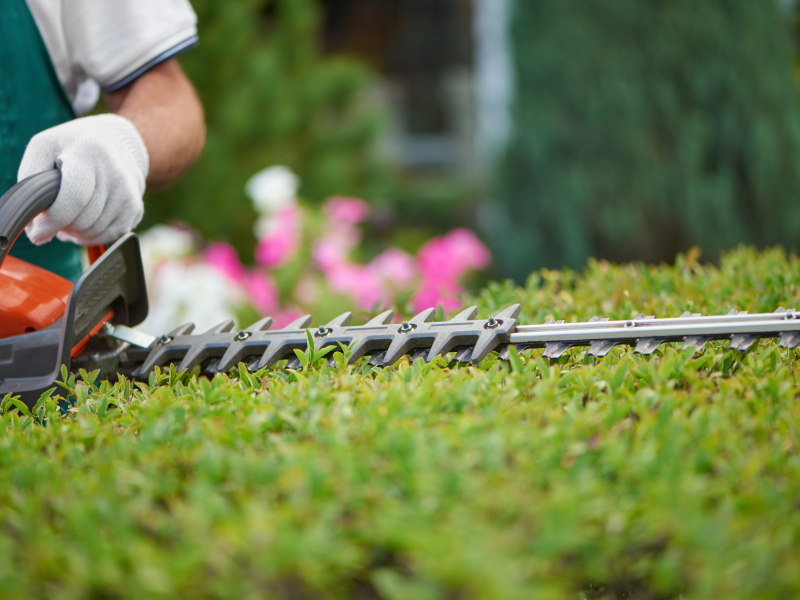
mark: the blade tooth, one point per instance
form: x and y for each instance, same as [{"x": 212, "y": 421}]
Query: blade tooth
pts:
[
  {"x": 342, "y": 320},
  {"x": 162, "y": 354},
  {"x": 695, "y": 341},
  {"x": 743, "y": 341},
  {"x": 262, "y": 325},
  {"x": 594, "y": 319},
  {"x": 211, "y": 344},
  {"x": 732, "y": 312},
  {"x": 780, "y": 310},
  {"x": 512, "y": 312},
  {"x": 211, "y": 369},
  {"x": 555, "y": 350},
  {"x": 463, "y": 354},
  {"x": 185, "y": 329},
  {"x": 647, "y": 346},
  {"x": 300, "y": 323},
  {"x": 790, "y": 340},
  {"x": 278, "y": 350},
  {"x": 401, "y": 345},
  {"x": 639, "y": 316},
  {"x": 377, "y": 359},
  {"x": 559, "y": 322},
  {"x": 238, "y": 351},
  {"x": 382, "y": 319},
  {"x": 426, "y": 316},
  {"x": 294, "y": 364},
  {"x": 159, "y": 356},
  {"x": 363, "y": 346},
  {"x": 443, "y": 344},
  {"x": 223, "y": 327},
  {"x": 550, "y": 321},
  {"x": 685, "y": 314},
  {"x": 601, "y": 348},
  {"x": 419, "y": 354},
  {"x": 742, "y": 312},
  {"x": 503, "y": 353},
  {"x": 604, "y": 319},
  {"x": 467, "y": 314},
  {"x": 489, "y": 339}
]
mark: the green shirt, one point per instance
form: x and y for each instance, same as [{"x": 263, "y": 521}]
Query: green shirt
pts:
[{"x": 31, "y": 100}]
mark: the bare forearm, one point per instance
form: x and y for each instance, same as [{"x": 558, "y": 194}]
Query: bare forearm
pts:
[{"x": 164, "y": 107}]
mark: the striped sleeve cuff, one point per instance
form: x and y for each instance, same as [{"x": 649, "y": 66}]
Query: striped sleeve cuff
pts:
[{"x": 171, "y": 52}]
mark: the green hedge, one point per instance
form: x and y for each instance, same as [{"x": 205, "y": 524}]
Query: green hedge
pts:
[
  {"x": 671, "y": 476},
  {"x": 643, "y": 128}
]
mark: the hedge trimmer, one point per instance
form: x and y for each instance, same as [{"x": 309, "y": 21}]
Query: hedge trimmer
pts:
[{"x": 46, "y": 323}]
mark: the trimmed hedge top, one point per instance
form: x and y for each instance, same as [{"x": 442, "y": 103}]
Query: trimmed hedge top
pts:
[{"x": 628, "y": 477}]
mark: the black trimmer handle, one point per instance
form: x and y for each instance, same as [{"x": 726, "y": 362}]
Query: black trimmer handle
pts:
[{"x": 20, "y": 204}]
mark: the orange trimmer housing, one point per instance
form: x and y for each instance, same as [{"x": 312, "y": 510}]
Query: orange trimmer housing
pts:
[{"x": 31, "y": 298}]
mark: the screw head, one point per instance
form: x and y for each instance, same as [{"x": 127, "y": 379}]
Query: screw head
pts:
[
  {"x": 242, "y": 335},
  {"x": 492, "y": 323},
  {"x": 108, "y": 328},
  {"x": 322, "y": 331},
  {"x": 164, "y": 340},
  {"x": 407, "y": 327}
]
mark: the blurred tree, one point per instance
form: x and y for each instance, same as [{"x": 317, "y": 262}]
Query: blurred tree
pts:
[
  {"x": 271, "y": 98},
  {"x": 642, "y": 128}
]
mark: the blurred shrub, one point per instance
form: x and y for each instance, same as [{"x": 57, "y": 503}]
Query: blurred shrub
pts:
[
  {"x": 643, "y": 128},
  {"x": 271, "y": 98}
]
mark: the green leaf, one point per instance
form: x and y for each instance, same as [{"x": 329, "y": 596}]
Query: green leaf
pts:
[{"x": 515, "y": 360}]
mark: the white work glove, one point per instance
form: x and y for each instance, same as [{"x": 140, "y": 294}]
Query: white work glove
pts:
[{"x": 104, "y": 164}]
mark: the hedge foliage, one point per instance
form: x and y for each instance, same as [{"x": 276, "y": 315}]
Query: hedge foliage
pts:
[
  {"x": 673, "y": 476},
  {"x": 644, "y": 128}
]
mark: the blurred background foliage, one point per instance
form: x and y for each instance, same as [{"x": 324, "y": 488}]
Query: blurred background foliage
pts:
[
  {"x": 643, "y": 128},
  {"x": 636, "y": 129},
  {"x": 271, "y": 97}
]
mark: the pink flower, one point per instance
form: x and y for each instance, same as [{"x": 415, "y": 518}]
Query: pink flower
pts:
[
  {"x": 431, "y": 295},
  {"x": 357, "y": 281},
  {"x": 262, "y": 292},
  {"x": 468, "y": 249},
  {"x": 279, "y": 245},
  {"x": 224, "y": 257},
  {"x": 442, "y": 262},
  {"x": 447, "y": 258},
  {"x": 284, "y": 318},
  {"x": 394, "y": 266},
  {"x": 346, "y": 210},
  {"x": 328, "y": 255}
]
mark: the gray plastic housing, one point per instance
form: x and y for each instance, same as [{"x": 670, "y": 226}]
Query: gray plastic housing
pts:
[{"x": 31, "y": 363}]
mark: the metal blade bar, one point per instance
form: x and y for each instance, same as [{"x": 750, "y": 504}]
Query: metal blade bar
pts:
[
  {"x": 220, "y": 348},
  {"x": 767, "y": 325},
  {"x": 742, "y": 317}
]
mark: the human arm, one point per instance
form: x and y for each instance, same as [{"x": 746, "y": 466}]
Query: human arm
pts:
[
  {"x": 105, "y": 160},
  {"x": 165, "y": 110}
]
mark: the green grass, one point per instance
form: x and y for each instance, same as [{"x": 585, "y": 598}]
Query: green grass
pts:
[{"x": 671, "y": 476}]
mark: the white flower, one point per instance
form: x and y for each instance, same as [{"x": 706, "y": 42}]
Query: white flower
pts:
[
  {"x": 189, "y": 292},
  {"x": 164, "y": 242},
  {"x": 265, "y": 226},
  {"x": 272, "y": 188}
]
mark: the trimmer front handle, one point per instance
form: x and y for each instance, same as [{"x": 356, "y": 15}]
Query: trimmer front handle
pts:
[{"x": 20, "y": 204}]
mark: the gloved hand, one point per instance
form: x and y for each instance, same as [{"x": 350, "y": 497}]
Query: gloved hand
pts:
[{"x": 104, "y": 164}]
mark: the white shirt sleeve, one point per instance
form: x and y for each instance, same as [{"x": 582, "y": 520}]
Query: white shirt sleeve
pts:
[{"x": 109, "y": 43}]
